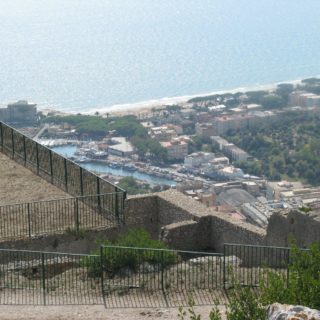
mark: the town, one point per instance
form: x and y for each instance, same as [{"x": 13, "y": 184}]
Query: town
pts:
[{"x": 191, "y": 147}]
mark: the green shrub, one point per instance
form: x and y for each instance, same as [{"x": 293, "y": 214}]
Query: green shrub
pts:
[
  {"x": 303, "y": 285},
  {"x": 131, "y": 256},
  {"x": 244, "y": 304}
]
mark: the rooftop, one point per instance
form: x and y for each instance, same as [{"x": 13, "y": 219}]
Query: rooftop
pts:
[{"x": 122, "y": 145}]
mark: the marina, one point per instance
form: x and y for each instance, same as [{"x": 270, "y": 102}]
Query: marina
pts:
[{"x": 114, "y": 168}]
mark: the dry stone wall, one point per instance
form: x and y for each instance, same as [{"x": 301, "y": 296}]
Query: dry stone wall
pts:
[
  {"x": 189, "y": 225},
  {"x": 303, "y": 227}
]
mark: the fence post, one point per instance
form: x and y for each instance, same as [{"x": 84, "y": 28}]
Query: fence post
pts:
[
  {"x": 162, "y": 273},
  {"x": 37, "y": 157},
  {"x": 12, "y": 143},
  {"x": 98, "y": 193},
  {"x": 51, "y": 165},
  {"x": 76, "y": 214},
  {"x": 224, "y": 266},
  {"x": 1, "y": 135},
  {"x": 101, "y": 271},
  {"x": 29, "y": 219},
  {"x": 65, "y": 174},
  {"x": 43, "y": 278},
  {"x": 81, "y": 181},
  {"x": 24, "y": 150},
  {"x": 288, "y": 267},
  {"x": 116, "y": 208}
]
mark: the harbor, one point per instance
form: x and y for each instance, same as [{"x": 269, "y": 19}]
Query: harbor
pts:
[{"x": 123, "y": 168}]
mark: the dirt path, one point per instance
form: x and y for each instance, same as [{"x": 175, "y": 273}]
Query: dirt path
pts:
[{"x": 92, "y": 312}]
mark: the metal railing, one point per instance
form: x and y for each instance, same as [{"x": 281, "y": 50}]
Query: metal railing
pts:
[
  {"x": 248, "y": 265},
  {"x": 134, "y": 277},
  {"x": 45, "y": 278},
  {"x": 51, "y": 166},
  {"x": 48, "y": 217},
  {"x": 149, "y": 277}
]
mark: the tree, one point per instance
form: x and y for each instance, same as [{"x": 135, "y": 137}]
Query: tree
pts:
[
  {"x": 272, "y": 102},
  {"x": 256, "y": 96},
  {"x": 131, "y": 185},
  {"x": 283, "y": 90}
]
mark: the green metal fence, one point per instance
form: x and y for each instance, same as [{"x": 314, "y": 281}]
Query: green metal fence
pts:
[
  {"x": 58, "y": 170},
  {"x": 48, "y": 217},
  {"x": 118, "y": 277},
  {"x": 134, "y": 277},
  {"x": 149, "y": 277},
  {"x": 248, "y": 265},
  {"x": 44, "y": 278}
]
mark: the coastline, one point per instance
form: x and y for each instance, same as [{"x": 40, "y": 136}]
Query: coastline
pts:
[{"x": 144, "y": 107}]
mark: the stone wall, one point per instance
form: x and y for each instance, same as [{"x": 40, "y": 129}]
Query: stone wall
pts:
[
  {"x": 143, "y": 212},
  {"x": 189, "y": 225},
  {"x": 183, "y": 235},
  {"x": 81, "y": 243},
  {"x": 303, "y": 227}
]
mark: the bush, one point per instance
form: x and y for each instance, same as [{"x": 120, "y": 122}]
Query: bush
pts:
[
  {"x": 244, "y": 304},
  {"x": 303, "y": 285},
  {"x": 215, "y": 313},
  {"x": 131, "y": 256}
]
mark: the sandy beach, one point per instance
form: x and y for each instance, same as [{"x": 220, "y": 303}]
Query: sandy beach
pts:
[{"x": 145, "y": 107}]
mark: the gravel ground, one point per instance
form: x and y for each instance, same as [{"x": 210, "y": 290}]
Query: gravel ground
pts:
[
  {"x": 18, "y": 184},
  {"x": 93, "y": 312}
]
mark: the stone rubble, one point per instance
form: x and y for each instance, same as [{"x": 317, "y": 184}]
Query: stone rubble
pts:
[
  {"x": 216, "y": 260},
  {"x": 279, "y": 311}
]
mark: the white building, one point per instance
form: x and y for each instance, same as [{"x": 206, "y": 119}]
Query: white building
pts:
[
  {"x": 196, "y": 159},
  {"x": 122, "y": 147}
]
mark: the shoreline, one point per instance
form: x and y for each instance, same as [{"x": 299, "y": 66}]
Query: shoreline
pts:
[{"x": 145, "y": 106}]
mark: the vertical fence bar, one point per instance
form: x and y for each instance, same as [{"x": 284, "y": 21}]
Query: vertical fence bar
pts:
[
  {"x": 116, "y": 208},
  {"x": 29, "y": 220},
  {"x": 12, "y": 143},
  {"x": 76, "y": 214},
  {"x": 81, "y": 181},
  {"x": 123, "y": 199},
  {"x": 288, "y": 267},
  {"x": 65, "y": 174},
  {"x": 98, "y": 193},
  {"x": 162, "y": 273},
  {"x": 1, "y": 135},
  {"x": 43, "y": 279},
  {"x": 101, "y": 270},
  {"x": 224, "y": 266},
  {"x": 51, "y": 165},
  {"x": 24, "y": 150},
  {"x": 37, "y": 158}
]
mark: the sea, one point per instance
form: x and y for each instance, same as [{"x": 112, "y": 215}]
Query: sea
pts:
[{"x": 93, "y": 55}]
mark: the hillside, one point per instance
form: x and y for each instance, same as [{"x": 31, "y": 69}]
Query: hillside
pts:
[
  {"x": 18, "y": 184},
  {"x": 286, "y": 148}
]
